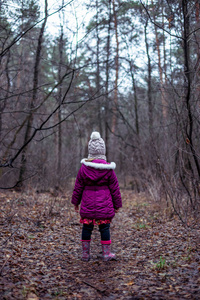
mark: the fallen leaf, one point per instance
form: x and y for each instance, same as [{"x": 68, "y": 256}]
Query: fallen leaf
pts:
[{"x": 32, "y": 296}]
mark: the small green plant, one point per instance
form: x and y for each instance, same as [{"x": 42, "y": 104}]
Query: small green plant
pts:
[
  {"x": 145, "y": 204},
  {"x": 58, "y": 292},
  {"x": 24, "y": 291},
  {"x": 31, "y": 236},
  {"x": 141, "y": 226},
  {"x": 187, "y": 257},
  {"x": 161, "y": 264}
]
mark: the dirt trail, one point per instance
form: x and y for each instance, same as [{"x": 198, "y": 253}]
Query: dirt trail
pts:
[{"x": 40, "y": 252}]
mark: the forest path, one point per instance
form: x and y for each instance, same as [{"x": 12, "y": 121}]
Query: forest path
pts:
[{"x": 157, "y": 258}]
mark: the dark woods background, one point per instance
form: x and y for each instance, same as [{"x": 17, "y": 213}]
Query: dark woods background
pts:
[{"x": 134, "y": 75}]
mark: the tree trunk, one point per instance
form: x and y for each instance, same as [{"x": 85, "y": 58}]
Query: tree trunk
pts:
[
  {"x": 98, "y": 69},
  {"x": 60, "y": 92},
  {"x": 187, "y": 72},
  {"x": 164, "y": 48},
  {"x": 34, "y": 96},
  {"x": 114, "y": 118},
  {"x": 160, "y": 70},
  {"x": 5, "y": 80},
  {"x": 107, "y": 115},
  {"x": 198, "y": 26},
  {"x": 135, "y": 99},
  {"x": 149, "y": 91}
]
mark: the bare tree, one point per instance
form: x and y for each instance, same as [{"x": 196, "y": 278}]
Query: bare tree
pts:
[{"x": 34, "y": 96}]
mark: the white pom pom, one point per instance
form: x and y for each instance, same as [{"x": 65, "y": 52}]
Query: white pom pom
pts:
[{"x": 95, "y": 135}]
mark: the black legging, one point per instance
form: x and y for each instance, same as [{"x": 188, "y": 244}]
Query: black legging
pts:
[{"x": 103, "y": 228}]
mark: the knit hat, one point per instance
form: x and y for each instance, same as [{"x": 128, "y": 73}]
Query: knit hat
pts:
[{"x": 96, "y": 146}]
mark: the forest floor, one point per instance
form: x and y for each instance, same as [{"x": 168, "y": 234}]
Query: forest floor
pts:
[{"x": 40, "y": 251}]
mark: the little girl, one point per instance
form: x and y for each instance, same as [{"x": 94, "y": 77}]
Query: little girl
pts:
[{"x": 97, "y": 189}]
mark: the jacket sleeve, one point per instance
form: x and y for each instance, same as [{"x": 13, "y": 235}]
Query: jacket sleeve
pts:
[
  {"x": 115, "y": 191},
  {"x": 78, "y": 189}
]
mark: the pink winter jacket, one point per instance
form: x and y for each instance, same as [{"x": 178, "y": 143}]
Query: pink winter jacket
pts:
[{"x": 97, "y": 189}]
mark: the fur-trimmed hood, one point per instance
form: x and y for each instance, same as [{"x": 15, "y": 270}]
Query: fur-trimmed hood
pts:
[
  {"x": 96, "y": 169},
  {"x": 98, "y": 164}
]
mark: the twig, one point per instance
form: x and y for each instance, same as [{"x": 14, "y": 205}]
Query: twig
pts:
[
  {"x": 5, "y": 262},
  {"x": 9, "y": 236},
  {"x": 94, "y": 287}
]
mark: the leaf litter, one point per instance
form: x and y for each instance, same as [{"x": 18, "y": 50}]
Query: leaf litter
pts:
[{"x": 158, "y": 258}]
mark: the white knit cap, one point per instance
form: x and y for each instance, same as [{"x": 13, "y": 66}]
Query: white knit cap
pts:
[{"x": 96, "y": 146}]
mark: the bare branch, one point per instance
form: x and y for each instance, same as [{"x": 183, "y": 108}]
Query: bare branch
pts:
[
  {"x": 161, "y": 27},
  {"x": 21, "y": 34},
  {"x": 43, "y": 123}
]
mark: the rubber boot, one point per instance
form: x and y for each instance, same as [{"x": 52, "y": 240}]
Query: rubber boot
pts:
[
  {"x": 107, "y": 255},
  {"x": 85, "y": 250}
]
